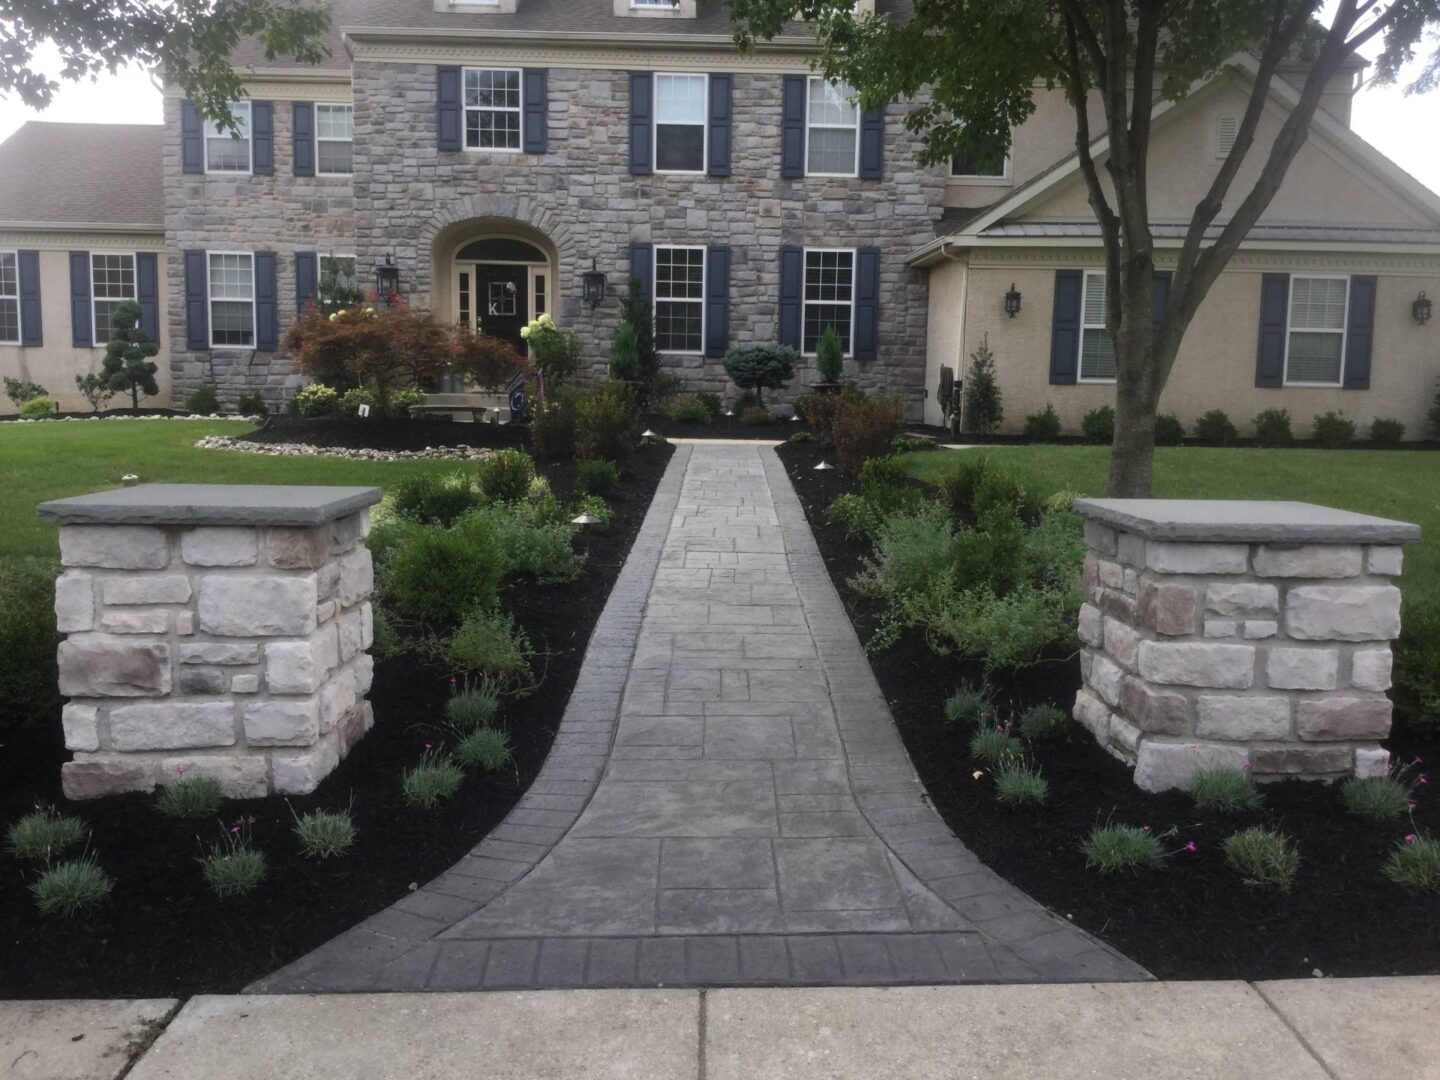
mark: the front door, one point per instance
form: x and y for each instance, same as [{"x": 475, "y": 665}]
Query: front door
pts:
[{"x": 500, "y": 301}]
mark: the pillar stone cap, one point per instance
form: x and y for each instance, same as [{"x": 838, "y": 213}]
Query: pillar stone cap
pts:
[
  {"x": 210, "y": 504},
  {"x": 1243, "y": 521}
]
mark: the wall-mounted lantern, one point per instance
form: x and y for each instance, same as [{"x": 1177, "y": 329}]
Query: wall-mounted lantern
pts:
[
  {"x": 387, "y": 278},
  {"x": 1422, "y": 309},
  {"x": 1012, "y": 301},
  {"x": 593, "y": 282}
]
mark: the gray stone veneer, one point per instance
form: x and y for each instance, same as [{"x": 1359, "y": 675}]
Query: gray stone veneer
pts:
[
  {"x": 212, "y": 630},
  {"x": 1248, "y": 634}
]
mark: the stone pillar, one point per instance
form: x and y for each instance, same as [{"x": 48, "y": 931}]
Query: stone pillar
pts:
[
  {"x": 1254, "y": 634},
  {"x": 216, "y": 629}
]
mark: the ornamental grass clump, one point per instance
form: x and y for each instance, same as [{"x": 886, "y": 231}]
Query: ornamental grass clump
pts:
[
  {"x": 233, "y": 866},
  {"x": 1415, "y": 864},
  {"x": 1263, "y": 858},
  {"x": 42, "y": 834},
  {"x": 487, "y": 749},
  {"x": 1122, "y": 849},
  {"x": 1041, "y": 722},
  {"x": 1376, "y": 798},
  {"x": 1223, "y": 789},
  {"x": 325, "y": 834},
  {"x": 1018, "y": 784},
  {"x": 71, "y": 888},
  {"x": 190, "y": 797},
  {"x": 431, "y": 782},
  {"x": 995, "y": 746},
  {"x": 473, "y": 707},
  {"x": 968, "y": 705}
]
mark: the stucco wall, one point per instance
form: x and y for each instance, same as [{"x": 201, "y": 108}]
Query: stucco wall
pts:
[
  {"x": 56, "y": 362},
  {"x": 1216, "y": 364},
  {"x": 947, "y": 303}
]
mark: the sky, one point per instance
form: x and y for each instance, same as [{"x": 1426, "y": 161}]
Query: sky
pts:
[{"x": 1403, "y": 128}]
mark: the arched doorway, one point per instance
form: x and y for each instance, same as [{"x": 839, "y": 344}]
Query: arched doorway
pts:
[{"x": 500, "y": 282}]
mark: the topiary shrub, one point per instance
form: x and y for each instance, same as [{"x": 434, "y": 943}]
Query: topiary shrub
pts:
[
  {"x": 1333, "y": 430},
  {"x": 863, "y": 428},
  {"x": 760, "y": 367},
  {"x": 1272, "y": 428},
  {"x": 552, "y": 431},
  {"x": 1098, "y": 426},
  {"x": 830, "y": 356},
  {"x": 205, "y": 401},
  {"x": 605, "y": 422},
  {"x": 37, "y": 408},
  {"x": 1169, "y": 431},
  {"x": 505, "y": 475},
  {"x": 439, "y": 575},
  {"x": 1386, "y": 431},
  {"x": 316, "y": 399},
  {"x": 1043, "y": 426},
  {"x": 1215, "y": 429}
]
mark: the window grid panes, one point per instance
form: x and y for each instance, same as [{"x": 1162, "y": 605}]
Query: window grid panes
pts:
[
  {"x": 829, "y": 296},
  {"x": 492, "y": 109},
  {"x": 680, "y": 299},
  {"x": 112, "y": 281},
  {"x": 1317, "y": 330},
  {"x": 335, "y": 139},
  {"x": 232, "y": 300},
  {"x": 9, "y": 298},
  {"x": 1097, "y": 351},
  {"x": 832, "y": 129},
  {"x": 227, "y": 152},
  {"x": 968, "y": 166},
  {"x": 680, "y": 105}
]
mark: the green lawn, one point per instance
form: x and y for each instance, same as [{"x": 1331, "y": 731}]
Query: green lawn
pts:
[
  {"x": 1389, "y": 483},
  {"x": 49, "y": 461}
]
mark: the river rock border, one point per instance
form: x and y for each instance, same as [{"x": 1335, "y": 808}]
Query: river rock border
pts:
[{"x": 430, "y": 453}]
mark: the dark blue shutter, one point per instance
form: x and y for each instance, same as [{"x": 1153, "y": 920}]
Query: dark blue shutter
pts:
[
  {"x": 302, "y": 137},
  {"x": 536, "y": 89},
  {"x": 1065, "y": 327},
  {"x": 872, "y": 144},
  {"x": 306, "y": 278},
  {"x": 717, "y": 301},
  {"x": 262, "y": 138},
  {"x": 642, "y": 111},
  {"x": 865, "y": 345},
  {"x": 1274, "y": 317},
  {"x": 792, "y": 294},
  {"x": 642, "y": 266},
  {"x": 82, "y": 333},
  {"x": 31, "y": 331},
  {"x": 447, "y": 108},
  {"x": 1360, "y": 332},
  {"x": 147, "y": 292},
  {"x": 721, "y": 109},
  {"x": 192, "y": 139},
  {"x": 1161, "y": 300},
  {"x": 197, "y": 309},
  {"x": 792, "y": 127},
  {"x": 267, "y": 303}
]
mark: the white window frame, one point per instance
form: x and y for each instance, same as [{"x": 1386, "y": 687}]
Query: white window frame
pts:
[
  {"x": 210, "y": 301},
  {"x": 96, "y": 300},
  {"x": 1290, "y": 329},
  {"x": 518, "y": 110},
  {"x": 704, "y": 124},
  {"x": 318, "y": 139},
  {"x": 656, "y": 301},
  {"x": 855, "y": 171},
  {"x": 321, "y": 256},
  {"x": 980, "y": 178},
  {"x": 19, "y": 307},
  {"x": 806, "y": 302},
  {"x": 206, "y": 136},
  {"x": 1080, "y": 376}
]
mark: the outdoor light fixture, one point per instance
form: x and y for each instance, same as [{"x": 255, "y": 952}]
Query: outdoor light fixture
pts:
[
  {"x": 824, "y": 466},
  {"x": 1012, "y": 301},
  {"x": 129, "y": 480},
  {"x": 648, "y": 436},
  {"x": 594, "y": 284},
  {"x": 1421, "y": 309},
  {"x": 387, "y": 278},
  {"x": 585, "y": 519}
]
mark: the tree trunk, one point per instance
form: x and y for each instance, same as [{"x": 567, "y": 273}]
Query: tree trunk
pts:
[
  {"x": 134, "y": 398},
  {"x": 1132, "y": 456}
]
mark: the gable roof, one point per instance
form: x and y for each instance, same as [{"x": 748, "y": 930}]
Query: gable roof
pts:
[{"x": 83, "y": 174}]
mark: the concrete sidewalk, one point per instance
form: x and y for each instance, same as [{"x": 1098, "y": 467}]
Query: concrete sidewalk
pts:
[{"x": 1331, "y": 1029}]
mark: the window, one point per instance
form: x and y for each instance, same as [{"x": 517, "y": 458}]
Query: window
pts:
[
  {"x": 112, "y": 281},
  {"x": 829, "y": 296},
  {"x": 970, "y": 167},
  {"x": 832, "y": 130},
  {"x": 1315, "y": 346},
  {"x": 680, "y": 104},
  {"x": 338, "y": 286},
  {"x": 680, "y": 299},
  {"x": 232, "y": 300},
  {"x": 9, "y": 298},
  {"x": 492, "y": 109},
  {"x": 1097, "y": 351},
  {"x": 226, "y": 151},
  {"x": 334, "y": 139}
]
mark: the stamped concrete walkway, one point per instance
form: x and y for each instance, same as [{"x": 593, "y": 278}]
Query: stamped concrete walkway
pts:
[{"x": 728, "y": 801}]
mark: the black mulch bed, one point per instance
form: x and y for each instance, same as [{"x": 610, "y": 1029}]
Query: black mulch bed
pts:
[
  {"x": 1195, "y": 919},
  {"x": 163, "y": 933},
  {"x": 722, "y": 427},
  {"x": 378, "y": 433}
]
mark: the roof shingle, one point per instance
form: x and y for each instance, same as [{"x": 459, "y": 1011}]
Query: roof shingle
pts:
[{"x": 83, "y": 174}]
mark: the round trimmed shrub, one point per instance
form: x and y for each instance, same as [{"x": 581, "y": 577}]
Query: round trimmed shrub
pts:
[
  {"x": 1272, "y": 428},
  {"x": 1098, "y": 426},
  {"x": 1386, "y": 431},
  {"x": 760, "y": 367},
  {"x": 505, "y": 475},
  {"x": 1215, "y": 428},
  {"x": 438, "y": 575},
  {"x": 1169, "y": 431},
  {"x": 1043, "y": 426},
  {"x": 39, "y": 408},
  {"x": 1333, "y": 430}
]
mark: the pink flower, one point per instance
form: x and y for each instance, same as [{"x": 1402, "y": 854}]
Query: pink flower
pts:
[
  {"x": 180, "y": 769},
  {"x": 1245, "y": 764},
  {"x": 452, "y": 682},
  {"x": 427, "y": 746},
  {"x": 1190, "y": 846},
  {"x": 234, "y": 829},
  {"x": 1145, "y": 828},
  {"x": 1424, "y": 779},
  {"x": 1411, "y": 805},
  {"x": 1409, "y": 838}
]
